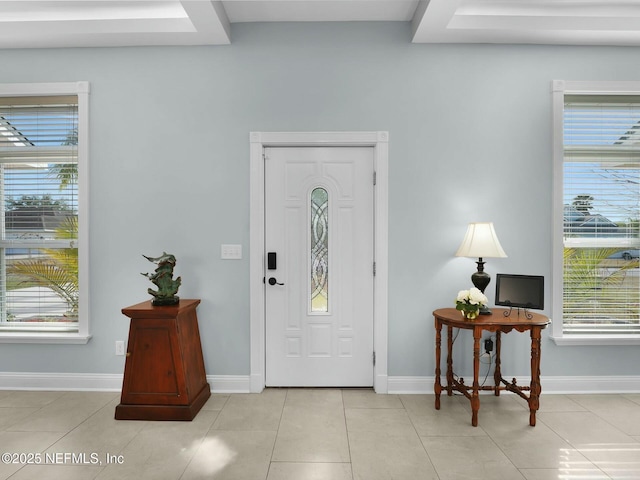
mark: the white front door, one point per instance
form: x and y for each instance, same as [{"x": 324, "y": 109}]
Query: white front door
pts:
[{"x": 319, "y": 234}]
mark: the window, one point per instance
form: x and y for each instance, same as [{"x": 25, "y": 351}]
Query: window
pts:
[
  {"x": 597, "y": 212},
  {"x": 319, "y": 250},
  {"x": 43, "y": 227}
]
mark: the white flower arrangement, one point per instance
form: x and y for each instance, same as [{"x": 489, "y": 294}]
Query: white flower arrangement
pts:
[{"x": 470, "y": 301}]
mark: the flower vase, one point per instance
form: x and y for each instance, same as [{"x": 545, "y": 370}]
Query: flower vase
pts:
[
  {"x": 470, "y": 314},
  {"x": 469, "y": 302}
]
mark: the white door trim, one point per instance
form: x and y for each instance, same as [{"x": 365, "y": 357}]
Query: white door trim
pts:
[{"x": 258, "y": 141}]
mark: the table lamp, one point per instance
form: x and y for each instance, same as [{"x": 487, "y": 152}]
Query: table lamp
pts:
[{"x": 481, "y": 241}]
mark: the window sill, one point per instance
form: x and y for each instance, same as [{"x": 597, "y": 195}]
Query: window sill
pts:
[
  {"x": 579, "y": 340},
  {"x": 44, "y": 338}
]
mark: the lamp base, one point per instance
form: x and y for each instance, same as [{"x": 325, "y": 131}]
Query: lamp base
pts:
[{"x": 480, "y": 280}]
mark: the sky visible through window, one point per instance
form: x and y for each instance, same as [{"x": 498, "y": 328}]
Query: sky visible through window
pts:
[{"x": 609, "y": 136}]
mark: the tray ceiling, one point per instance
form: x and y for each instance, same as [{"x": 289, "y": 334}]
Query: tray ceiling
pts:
[{"x": 95, "y": 23}]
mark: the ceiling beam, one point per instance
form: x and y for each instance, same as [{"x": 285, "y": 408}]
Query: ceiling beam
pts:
[
  {"x": 210, "y": 21},
  {"x": 527, "y": 22},
  {"x": 98, "y": 24},
  {"x": 429, "y": 24}
]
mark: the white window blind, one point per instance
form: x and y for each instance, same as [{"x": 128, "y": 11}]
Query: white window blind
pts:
[
  {"x": 39, "y": 287},
  {"x": 601, "y": 213}
]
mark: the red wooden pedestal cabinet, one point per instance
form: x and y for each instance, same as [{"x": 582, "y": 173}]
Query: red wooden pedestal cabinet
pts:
[{"x": 164, "y": 375}]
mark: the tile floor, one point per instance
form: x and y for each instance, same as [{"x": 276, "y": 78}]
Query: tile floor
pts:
[{"x": 317, "y": 434}]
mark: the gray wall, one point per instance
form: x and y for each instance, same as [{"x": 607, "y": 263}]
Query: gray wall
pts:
[{"x": 470, "y": 140}]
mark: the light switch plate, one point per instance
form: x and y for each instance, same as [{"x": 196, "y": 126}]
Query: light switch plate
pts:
[{"x": 231, "y": 252}]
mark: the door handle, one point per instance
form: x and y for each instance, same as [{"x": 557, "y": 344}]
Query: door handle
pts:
[{"x": 273, "y": 281}]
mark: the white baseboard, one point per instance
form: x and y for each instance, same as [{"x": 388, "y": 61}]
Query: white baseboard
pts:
[
  {"x": 229, "y": 383},
  {"x": 242, "y": 383},
  {"x": 407, "y": 385},
  {"x": 103, "y": 382},
  {"x": 61, "y": 381},
  {"x": 551, "y": 385},
  {"x": 591, "y": 384}
]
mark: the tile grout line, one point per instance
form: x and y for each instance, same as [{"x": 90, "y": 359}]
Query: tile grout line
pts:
[
  {"x": 275, "y": 440},
  {"x": 604, "y": 419},
  {"x": 202, "y": 439},
  {"x": 404, "y": 407},
  {"x": 66, "y": 432},
  {"x": 574, "y": 447},
  {"x": 346, "y": 429}
]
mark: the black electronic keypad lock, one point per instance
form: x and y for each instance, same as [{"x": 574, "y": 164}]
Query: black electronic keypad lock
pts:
[{"x": 271, "y": 261}]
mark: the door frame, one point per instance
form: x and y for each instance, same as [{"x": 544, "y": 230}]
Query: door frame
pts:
[{"x": 379, "y": 141}]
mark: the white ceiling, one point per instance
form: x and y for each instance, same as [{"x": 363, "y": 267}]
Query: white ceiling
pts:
[{"x": 98, "y": 23}]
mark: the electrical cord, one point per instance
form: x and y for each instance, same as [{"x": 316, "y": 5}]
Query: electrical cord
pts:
[
  {"x": 486, "y": 353},
  {"x": 488, "y": 368},
  {"x": 455, "y": 336},
  {"x": 488, "y": 350}
]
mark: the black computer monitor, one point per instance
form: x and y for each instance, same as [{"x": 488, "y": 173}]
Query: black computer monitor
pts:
[{"x": 520, "y": 291}]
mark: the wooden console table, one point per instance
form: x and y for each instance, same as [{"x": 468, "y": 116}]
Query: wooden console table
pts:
[
  {"x": 498, "y": 323},
  {"x": 164, "y": 375}
]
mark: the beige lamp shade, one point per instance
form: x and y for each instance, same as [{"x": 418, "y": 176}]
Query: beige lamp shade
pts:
[{"x": 481, "y": 241}]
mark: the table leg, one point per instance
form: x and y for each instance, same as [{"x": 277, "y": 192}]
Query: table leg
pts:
[
  {"x": 535, "y": 387},
  {"x": 449, "y": 360},
  {"x": 497, "y": 374},
  {"x": 437, "y": 388},
  {"x": 475, "y": 398}
]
